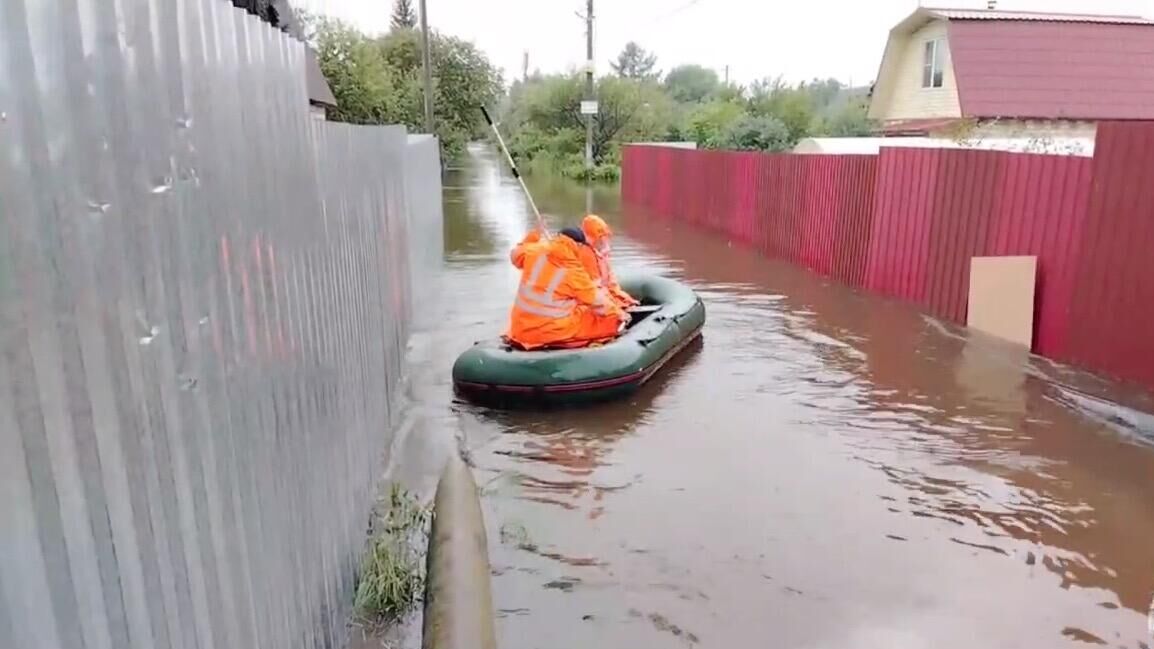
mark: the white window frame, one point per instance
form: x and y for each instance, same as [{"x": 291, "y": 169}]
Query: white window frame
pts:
[{"x": 934, "y": 64}]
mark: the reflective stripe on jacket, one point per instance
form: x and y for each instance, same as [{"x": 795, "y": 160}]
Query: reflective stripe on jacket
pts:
[
  {"x": 544, "y": 302},
  {"x": 558, "y": 303}
]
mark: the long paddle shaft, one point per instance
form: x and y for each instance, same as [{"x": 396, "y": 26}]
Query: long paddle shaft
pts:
[{"x": 513, "y": 166}]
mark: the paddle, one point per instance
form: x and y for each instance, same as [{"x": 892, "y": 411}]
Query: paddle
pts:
[{"x": 516, "y": 174}]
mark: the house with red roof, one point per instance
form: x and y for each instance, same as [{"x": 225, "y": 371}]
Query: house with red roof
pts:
[{"x": 1045, "y": 77}]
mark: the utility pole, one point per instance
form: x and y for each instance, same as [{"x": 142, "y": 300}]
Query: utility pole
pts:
[
  {"x": 727, "y": 75},
  {"x": 426, "y": 67},
  {"x": 525, "y": 67},
  {"x": 588, "y": 82}
]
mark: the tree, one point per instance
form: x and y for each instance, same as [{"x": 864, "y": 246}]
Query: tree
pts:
[
  {"x": 463, "y": 78},
  {"x": 850, "y": 120},
  {"x": 377, "y": 80},
  {"x": 750, "y": 133},
  {"x": 365, "y": 89},
  {"x": 635, "y": 63},
  {"x": 691, "y": 83},
  {"x": 547, "y": 128},
  {"x": 793, "y": 106},
  {"x": 730, "y": 92},
  {"x": 403, "y": 15},
  {"x": 708, "y": 123},
  {"x": 825, "y": 93},
  {"x": 629, "y": 109}
]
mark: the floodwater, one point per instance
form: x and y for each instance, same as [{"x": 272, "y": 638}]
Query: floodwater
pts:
[{"x": 827, "y": 469}]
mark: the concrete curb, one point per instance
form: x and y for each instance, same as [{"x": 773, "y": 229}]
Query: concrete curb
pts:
[{"x": 458, "y": 594}]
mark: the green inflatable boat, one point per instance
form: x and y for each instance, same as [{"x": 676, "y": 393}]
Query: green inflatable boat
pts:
[{"x": 671, "y": 317}]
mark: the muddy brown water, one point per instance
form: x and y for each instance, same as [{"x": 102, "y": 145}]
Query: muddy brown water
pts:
[{"x": 826, "y": 469}]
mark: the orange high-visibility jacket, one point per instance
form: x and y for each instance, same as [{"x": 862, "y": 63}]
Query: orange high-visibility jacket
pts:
[
  {"x": 597, "y": 230},
  {"x": 558, "y": 304},
  {"x": 609, "y": 281}
]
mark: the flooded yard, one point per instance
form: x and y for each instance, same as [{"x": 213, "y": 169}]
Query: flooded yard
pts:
[{"x": 825, "y": 469}]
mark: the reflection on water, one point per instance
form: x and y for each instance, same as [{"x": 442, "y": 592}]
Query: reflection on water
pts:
[{"x": 826, "y": 469}]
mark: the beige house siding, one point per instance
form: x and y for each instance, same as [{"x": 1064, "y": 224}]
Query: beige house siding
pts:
[{"x": 906, "y": 98}]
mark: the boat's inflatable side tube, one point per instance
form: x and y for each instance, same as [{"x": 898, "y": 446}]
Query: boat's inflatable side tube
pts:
[{"x": 458, "y": 595}]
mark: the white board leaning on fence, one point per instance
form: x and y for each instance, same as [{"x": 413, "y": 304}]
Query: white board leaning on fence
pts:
[{"x": 1002, "y": 297}]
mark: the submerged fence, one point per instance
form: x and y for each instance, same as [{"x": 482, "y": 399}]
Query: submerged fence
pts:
[
  {"x": 906, "y": 222},
  {"x": 204, "y": 301}
]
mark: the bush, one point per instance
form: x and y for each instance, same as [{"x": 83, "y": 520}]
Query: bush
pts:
[
  {"x": 605, "y": 173},
  {"x": 757, "y": 134},
  {"x": 708, "y": 123}
]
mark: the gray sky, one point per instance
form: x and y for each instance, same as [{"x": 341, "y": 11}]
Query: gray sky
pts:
[{"x": 755, "y": 38}]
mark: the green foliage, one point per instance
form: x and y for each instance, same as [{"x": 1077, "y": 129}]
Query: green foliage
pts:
[
  {"x": 377, "y": 80},
  {"x": 635, "y": 63},
  {"x": 793, "y": 106},
  {"x": 403, "y": 15},
  {"x": 730, "y": 92},
  {"x": 708, "y": 124},
  {"x": 753, "y": 133},
  {"x": 392, "y": 577},
  {"x": 850, "y": 120},
  {"x": 463, "y": 79},
  {"x": 691, "y": 83},
  {"x": 814, "y": 108},
  {"x": 547, "y": 130}
]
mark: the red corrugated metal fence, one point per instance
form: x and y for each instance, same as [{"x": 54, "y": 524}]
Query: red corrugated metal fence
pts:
[
  {"x": 1113, "y": 286},
  {"x": 906, "y": 223}
]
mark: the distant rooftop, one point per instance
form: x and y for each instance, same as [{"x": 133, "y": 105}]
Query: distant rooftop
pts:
[
  {"x": 995, "y": 14},
  {"x": 1022, "y": 64},
  {"x": 320, "y": 93}
]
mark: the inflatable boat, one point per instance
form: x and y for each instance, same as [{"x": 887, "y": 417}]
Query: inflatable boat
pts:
[{"x": 670, "y": 319}]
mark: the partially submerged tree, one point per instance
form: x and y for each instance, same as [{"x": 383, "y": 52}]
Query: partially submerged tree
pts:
[
  {"x": 546, "y": 121},
  {"x": 635, "y": 63},
  {"x": 404, "y": 17},
  {"x": 547, "y": 130}
]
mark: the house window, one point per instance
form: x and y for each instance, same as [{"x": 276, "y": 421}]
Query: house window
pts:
[{"x": 934, "y": 64}]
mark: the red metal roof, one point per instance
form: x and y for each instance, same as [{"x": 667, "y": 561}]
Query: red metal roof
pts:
[
  {"x": 995, "y": 14},
  {"x": 1053, "y": 69}
]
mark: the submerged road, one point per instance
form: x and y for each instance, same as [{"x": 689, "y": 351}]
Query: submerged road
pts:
[{"x": 827, "y": 469}]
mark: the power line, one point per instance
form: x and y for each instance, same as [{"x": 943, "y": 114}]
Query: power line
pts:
[{"x": 676, "y": 10}]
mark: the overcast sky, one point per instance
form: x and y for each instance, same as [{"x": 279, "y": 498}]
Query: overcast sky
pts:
[{"x": 800, "y": 39}]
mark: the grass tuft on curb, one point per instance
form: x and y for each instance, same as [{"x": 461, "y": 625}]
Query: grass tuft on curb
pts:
[{"x": 392, "y": 577}]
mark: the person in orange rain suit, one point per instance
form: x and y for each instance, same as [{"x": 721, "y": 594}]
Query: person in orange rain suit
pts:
[
  {"x": 558, "y": 303},
  {"x": 599, "y": 237}
]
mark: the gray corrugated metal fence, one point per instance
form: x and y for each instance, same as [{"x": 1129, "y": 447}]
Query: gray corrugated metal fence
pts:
[
  {"x": 204, "y": 303},
  {"x": 426, "y": 218}
]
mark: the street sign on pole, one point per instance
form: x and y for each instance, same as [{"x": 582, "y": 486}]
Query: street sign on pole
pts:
[{"x": 589, "y": 107}]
